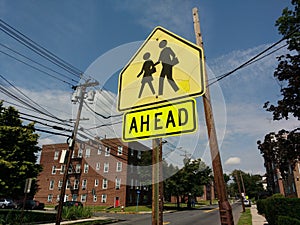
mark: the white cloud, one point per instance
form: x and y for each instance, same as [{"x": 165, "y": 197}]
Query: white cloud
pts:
[
  {"x": 233, "y": 161},
  {"x": 176, "y": 14}
]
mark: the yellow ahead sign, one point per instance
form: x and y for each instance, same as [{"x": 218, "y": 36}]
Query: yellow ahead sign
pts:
[
  {"x": 160, "y": 121},
  {"x": 165, "y": 68}
]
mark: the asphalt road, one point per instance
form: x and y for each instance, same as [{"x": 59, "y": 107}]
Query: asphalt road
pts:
[{"x": 205, "y": 216}]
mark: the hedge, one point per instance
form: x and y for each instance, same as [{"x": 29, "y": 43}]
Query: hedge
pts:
[
  {"x": 13, "y": 217},
  {"x": 285, "y": 220},
  {"x": 274, "y": 207}
]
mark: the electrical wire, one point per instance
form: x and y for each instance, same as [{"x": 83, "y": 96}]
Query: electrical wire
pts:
[
  {"x": 254, "y": 58},
  {"x": 40, "y": 64},
  {"x": 38, "y": 49}
]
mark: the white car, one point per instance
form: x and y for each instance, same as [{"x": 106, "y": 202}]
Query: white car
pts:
[
  {"x": 7, "y": 203},
  {"x": 247, "y": 202}
]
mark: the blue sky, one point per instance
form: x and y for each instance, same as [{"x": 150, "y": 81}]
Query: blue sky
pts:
[{"x": 92, "y": 35}]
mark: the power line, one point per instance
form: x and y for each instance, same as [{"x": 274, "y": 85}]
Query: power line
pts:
[
  {"x": 38, "y": 49},
  {"x": 252, "y": 60},
  {"x": 40, "y": 64},
  {"x": 33, "y": 67}
]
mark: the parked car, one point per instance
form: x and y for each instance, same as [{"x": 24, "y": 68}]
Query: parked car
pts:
[
  {"x": 32, "y": 205},
  {"x": 6, "y": 203},
  {"x": 247, "y": 203},
  {"x": 70, "y": 204}
]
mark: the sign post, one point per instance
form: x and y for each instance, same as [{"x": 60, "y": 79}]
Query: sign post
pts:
[{"x": 156, "y": 89}]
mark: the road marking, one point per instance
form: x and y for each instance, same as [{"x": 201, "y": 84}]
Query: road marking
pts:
[
  {"x": 207, "y": 211},
  {"x": 165, "y": 223}
]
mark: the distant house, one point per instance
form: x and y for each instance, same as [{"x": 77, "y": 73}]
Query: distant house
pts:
[{"x": 102, "y": 172}]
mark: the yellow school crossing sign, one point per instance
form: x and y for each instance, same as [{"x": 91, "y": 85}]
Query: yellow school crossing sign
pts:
[
  {"x": 165, "y": 68},
  {"x": 167, "y": 119}
]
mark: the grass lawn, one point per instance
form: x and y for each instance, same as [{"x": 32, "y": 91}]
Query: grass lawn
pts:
[{"x": 246, "y": 218}]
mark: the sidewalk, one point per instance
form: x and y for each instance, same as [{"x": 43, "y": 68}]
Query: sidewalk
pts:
[{"x": 256, "y": 218}]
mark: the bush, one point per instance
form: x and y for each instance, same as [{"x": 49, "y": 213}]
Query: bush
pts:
[
  {"x": 260, "y": 204},
  {"x": 73, "y": 213},
  {"x": 285, "y": 220},
  {"x": 276, "y": 206},
  {"x": 13, "y": 217}
]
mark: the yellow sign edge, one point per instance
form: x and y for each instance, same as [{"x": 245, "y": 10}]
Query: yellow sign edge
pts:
[
  {"x": 167, "y": 134},
  {"x": 203, "y": 86}
]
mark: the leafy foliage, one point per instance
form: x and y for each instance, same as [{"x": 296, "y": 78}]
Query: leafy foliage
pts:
[
  {"x": 189, "y": 180},
  {"x": 18, "y": 145},
  {"x": 252, "y": 183},
  {"x": 282, "y": 149},
  {"x": 288, "y": 69}
]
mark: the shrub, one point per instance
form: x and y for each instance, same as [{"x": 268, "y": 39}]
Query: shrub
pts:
[
  {"x": 73, "y": 213},
  {"x": 261, "y": 206},
  {"x": 285, "y": 220},
  {"x": 13, "y": 217},
  {"x": 275, "y": 207}
]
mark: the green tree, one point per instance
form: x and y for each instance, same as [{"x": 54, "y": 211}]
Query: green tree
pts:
[
  {"x": 288, "y": 69},
  {"x": 18, "y": 145},
  {"x": 282, "y": 149},
  {"x": 252, "y": 183},
  {"x": 188, "y": 181}
]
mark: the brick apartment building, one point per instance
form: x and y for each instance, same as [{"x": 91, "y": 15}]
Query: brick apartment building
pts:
[{"x": 102, "y": 172}]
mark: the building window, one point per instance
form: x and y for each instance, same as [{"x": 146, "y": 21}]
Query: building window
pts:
[
  {"x": 107, "y": 151},
  {"x": 59, "y": 185},
  {"x": 103, "y": 198},
  {"x": 106, "y": 167},
  {"x": 97, "y": 166},
  {"x": 139, "y": 155},
  {"x": 74, "y": 197},
  {"x": 104, "y": 183},
  {"x": 94, "y": 198},
  {"x": 62, "y": 169},
  {"x": 56, "y": 154},
  {"x": 57, "y": 198},
  {"x": 66, "y": 198},
  {"x": 51, "y": 185},
  {"x": 86, "y": 168},
  {"x": 96, "y": 182},
  {"x": 70, "y": 170},
  {"x": 99, "y": 150},
  {"x": 68, "y": 185},
  {"x": 118, "y": 183},
  {"x": 50, "y": 198},
  {"x": 84, "y": 184},
  {"x": 80, "y": 153},
  {"x": 132, "y": 152},
  {"x": 120, "y": 150},
  {"x": 83, "y": 198},
  {"x": 87, "y": 153},
  {"x": 76, "y": 184},
  {"x": 77, "y": 168},
  {"x": 53, "y": 170},
  {"x": 119, "y": 167}
]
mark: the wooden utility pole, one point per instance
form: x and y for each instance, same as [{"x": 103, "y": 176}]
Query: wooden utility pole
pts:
[
  {"x": 239, "y": 187},
  {"x": 157, "y": 184},
  {"x": 242, "y": 180},
  {"x": 224, "y": 206},
  {"x": 71, "y": 148}
]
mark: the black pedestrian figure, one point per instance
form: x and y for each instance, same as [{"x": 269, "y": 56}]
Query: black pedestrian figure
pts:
[
  {"x": 148, "y": 69},
  {"x": 168, "y": 59}
]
